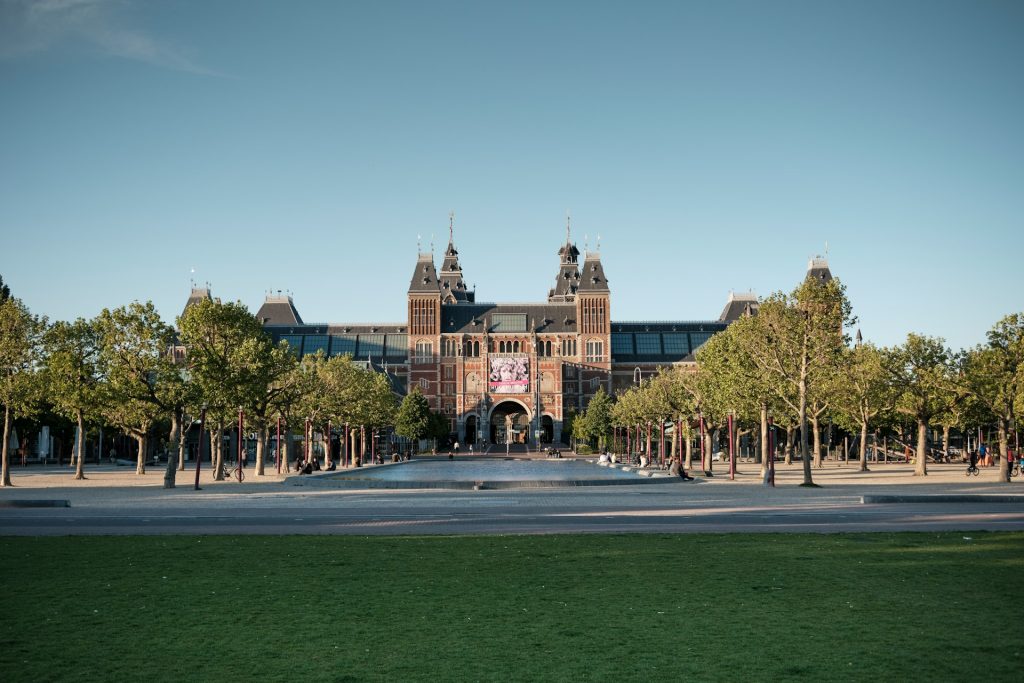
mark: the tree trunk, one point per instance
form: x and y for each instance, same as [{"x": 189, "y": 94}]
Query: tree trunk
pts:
[
  {"x": 763, "y": 450},
  {"x": 945, "y": 443},
  {"x": 5, "y": 459},
  {"x": 80, "y": 445},
  {"x": 921, "y": 467},
  {"x": 173, "y": 453},
  {"x": 1004, "y": 444},
  {"x": 816, "y": 440},
  {"x": 862, "y": 456},
  {"x": 689, "y": 452},
  {"x": 261, "y": 441},
  {"x": 285, "y": 448},
  {"x": 140, "y": 459},
  {"x": 804, "y": 446},
  {"x": 790, "y": 436}
]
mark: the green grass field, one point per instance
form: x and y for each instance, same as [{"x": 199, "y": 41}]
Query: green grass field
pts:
[{"x": 870, "y": 607}]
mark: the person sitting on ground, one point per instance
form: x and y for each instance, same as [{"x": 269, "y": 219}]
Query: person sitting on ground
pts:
[
  {"x": 331, "y": 466},
  {"x": 603, "y": 458},
  {"x": 316, "y": 464},
  {"x": 298, "y": 465},
  {"x": 307, "y": 468}
]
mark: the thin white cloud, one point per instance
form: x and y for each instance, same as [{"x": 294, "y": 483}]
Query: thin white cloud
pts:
[{"x": 30, "y": 27}]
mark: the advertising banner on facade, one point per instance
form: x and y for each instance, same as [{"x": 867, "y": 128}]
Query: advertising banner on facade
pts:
[{"x": 509, "y": 375}]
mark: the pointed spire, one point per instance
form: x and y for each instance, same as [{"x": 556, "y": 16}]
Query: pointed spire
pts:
[{"x": 451, "y": 227}]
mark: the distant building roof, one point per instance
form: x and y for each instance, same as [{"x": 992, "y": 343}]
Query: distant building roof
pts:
[
  {"x": 477, "y": 318},
  {"x": 198, "y": 294},
  {"x": 278, "y": 310},
  {"x": 592, "y": 277},
  {"x": 817, "y": 269},
  {"x": 424, "y": 277},
  {"x": 738, "y": 306}
]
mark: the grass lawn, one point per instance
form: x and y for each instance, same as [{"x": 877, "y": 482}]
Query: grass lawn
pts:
[{"x": 871, "y": 607}]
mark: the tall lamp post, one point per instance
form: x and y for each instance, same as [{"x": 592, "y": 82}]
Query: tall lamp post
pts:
[
  {"x": 199, "y": 457},
  {"x": 536, "y": 432}
]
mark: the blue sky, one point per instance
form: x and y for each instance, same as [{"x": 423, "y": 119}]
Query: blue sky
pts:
[{"x": 714, "y": 146}]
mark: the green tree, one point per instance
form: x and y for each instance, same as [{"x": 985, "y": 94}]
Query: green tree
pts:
[
  {"x": 5, "y": 291},
  {"x": 992, "y": 374},
  {"x": 20, "y": 355},
  {"x": 863, "y": 393},
  {"x": 225, "y": 345},
  {"x": 920, "y": 373},
  {"x": 799, "y": 348},
  {"x": 143, "y": 383},
  {"x": 413, "y": 419},
  {"x": 598, "y": 418},
  {"x": 72, "y": 375}
]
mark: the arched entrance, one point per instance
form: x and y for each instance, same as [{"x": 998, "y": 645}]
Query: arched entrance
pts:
[
  {"x": 547, "y": 428},
  {"x": 509, "y": 419},
  {"x": 470, "y": 429}
]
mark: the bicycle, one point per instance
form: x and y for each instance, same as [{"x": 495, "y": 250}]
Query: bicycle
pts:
[
  {"x": 1015, "y": 470},
  {"x": 237, "y": 472},
  {"x": 972, "y": 469}
]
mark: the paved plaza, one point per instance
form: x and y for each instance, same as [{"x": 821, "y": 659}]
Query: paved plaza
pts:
[{"x": 114, "y": 500}]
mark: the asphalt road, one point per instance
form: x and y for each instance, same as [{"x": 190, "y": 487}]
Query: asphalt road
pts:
[{"x": 682, "y": 508}]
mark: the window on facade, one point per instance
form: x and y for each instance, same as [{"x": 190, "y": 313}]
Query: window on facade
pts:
[
  {"x": 648, "y": 343},
  {"x": 424, "y": 352},
  {"x": 449, "y": 372},
  {"x": 371, "y": 345},
  {"x": 676, "y": 343},
  {"x": 314, "y": 343},
  {"x": 595, "y": 350},
  {"x": 622, "y": 345},
  {"x": 342, "y": 344},
  {"x": 515, "y": 347},
  {"x": 476, "y": 349},
  {"x": 295, "y": 342},
  {"x": 508, "y": 322},
  {"x": 424, "y": 384},
  {"x": 595, "y": 383},
  {"x": 396, "y": 346},
  {"x": 698, "y": 338},
  {"x": 569, "y": 347}
]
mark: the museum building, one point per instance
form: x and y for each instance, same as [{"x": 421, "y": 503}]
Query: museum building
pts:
[{"x": 507, "y": 372}]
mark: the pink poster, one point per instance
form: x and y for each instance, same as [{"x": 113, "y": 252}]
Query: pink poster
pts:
[{"x": 509, "y": 375}]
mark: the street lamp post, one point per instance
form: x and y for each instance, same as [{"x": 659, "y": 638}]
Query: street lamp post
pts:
[
  {"x": 732, "y": 450},
  {"x": 199, "y": 457},
  {"x": 241, "y": 426},
  {"x": 536, "y": 432},
  {"x": 771, "y": 453}
]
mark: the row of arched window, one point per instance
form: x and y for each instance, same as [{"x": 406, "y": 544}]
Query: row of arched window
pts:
[{"x": 424, "y": 350}]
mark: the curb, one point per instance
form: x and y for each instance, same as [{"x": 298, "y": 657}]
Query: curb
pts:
[
  {"x": 942, "y": 498},
  {"x": 28, "y": 503}
]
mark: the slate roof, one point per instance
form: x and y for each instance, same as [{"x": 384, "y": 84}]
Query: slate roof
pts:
[
  {"x": 453, "y": 287},
  {"x": 197, "y": 295},
  {"x": 278, "y": 310},
  {"x": 739, "y": 306},
  {"x": 568, "y": 279},
  {"x": 592, "y": 277},
  {"x": 545, "y": 318},
  {"x": 817, "y": 269},
  {"x": 424, "y": 277}
]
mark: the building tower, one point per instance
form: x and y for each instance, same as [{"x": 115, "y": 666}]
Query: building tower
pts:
[
  {"x": 593, "y": 315},
  {"x": 568, "y": 280},
  {"x": 424, "y": 327},
  {"x": 453, "y": 287}
]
